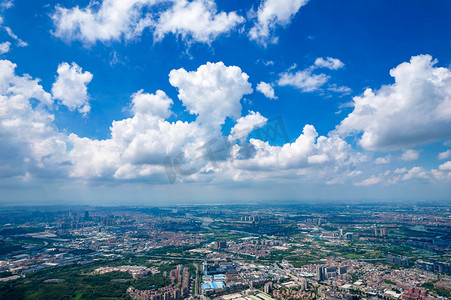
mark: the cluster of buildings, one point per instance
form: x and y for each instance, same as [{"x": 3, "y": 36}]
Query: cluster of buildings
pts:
[
  {"x": 323, "y": 273},
  {"x": 434, "y": 266},
  {"x": 398, "y": 260},
  {"x": 178, "y": 289},
  {"x": 382, "y": 231},
  {"x": 135, "y": 271}
]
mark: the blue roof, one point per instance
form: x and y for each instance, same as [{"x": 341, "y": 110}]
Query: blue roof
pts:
[{"x": 213, "y": 285}]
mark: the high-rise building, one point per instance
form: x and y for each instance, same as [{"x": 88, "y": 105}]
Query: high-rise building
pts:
[
  {"x": 220, "y": 245},
  {"x": 268, "y": 287},
  {"x": 177, "y": 294},
  {"x": 320, "y": 273},
  {"x": 398, "y": 260}
]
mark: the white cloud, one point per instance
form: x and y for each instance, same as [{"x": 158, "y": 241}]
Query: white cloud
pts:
[
  {"x": 415, "y": 173},
  {"x": 410, "y": 155},
  {"x": 4, "y": 47},
  {"x": 445, "y": 167},
  {"x": 213, "y": 92},
  {"x": 266, "y": 89},
  {"x": 306, "y": 81},
  {"x": 25, "y": 86},
  {"x": 444, "y": 155},
  {"x": 140, "y": 144},
  {"x": 301, "y": 156},
  {"x": 111, "y": 20},
  {"x": 355, "y": 173},
  {"x": 369, "y": 181},
  {"x": 273, "y": 13},
  {"x": 6, "y": 4},
  {"x": 70, "y": 87},
  {"x": 415, "y": 110},
  {"x": 400, "y": 171},
  {"x": 245, "y": 125},
  {"x": 329, "y": 63},
  {"x": 197, "y": 19},
  {"x": 339, "y": 89},
  {"x": 31, "y": 144},
  {"x": 303, "y": 80},
  {"x": 119, "y": 19},
  {"x": 20, "y": 42},
  {"x": 383, "y": 160},
  {"x": 29, "y": 141},
  {"x": 318, "y": 159},
  {"x": 441, "y": 175},
  {"x": 157, "y": 105}
]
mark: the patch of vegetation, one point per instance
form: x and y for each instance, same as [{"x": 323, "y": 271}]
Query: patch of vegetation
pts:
[{"x": 151, "y": 282}]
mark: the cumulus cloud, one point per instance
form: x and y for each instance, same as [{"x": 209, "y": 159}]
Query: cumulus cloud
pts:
[
  {"x": 24, "y": 86},
  {"x": 29, "y": 141},
  {"x": 212, "y": 92},
  {"x": 382, "y": 160},
  {"x": 445, "y": 167},
  {"x": 137, "y": 145},
  {"x": 414, "y": 110},
  {"x": 148, "y": 146},
  {"x": 266, "y": 89},
  {"x": 197, "y": 19},
  {"x": 369, "y": 181},
  {"x": 273, "y": 13},
  {"x": 70, "y": 87},
  {"x": 415, "y": 173},
  {"x": 245, "y": 125},
  {"x": 329, "y": 63},
  {"x": 303, "y": 80},
  {"x": 140, "y": 145},
  {"x": 410, "y": 155},
  {"x": 4, "y": 47},
  {"x": 307, "y": 81},
  {"x": 117, "y": 19},
  {"x": 344, "y": 90},
  {"x": 307, "y": 152},
  {"x": 157, "y": 105},
  {"x": 444, "y": 155}
]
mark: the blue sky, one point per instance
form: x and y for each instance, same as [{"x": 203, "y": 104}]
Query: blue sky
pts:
[{"x": 157, "y": 101}]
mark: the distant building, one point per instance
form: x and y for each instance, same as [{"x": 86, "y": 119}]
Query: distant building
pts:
[
  {"x": 323, "y": 273},
  {"x": 434, "y": 266},
  {"x": 220, "y": 245},
  {"x": 398, "y": 260},
  {"x": 218, "y": 268},
  {"x": 268, "y": 287},
  {"x": 320, "y": 273}
]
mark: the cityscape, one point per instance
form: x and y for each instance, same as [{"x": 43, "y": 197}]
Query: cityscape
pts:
[{"x": 292, "y": 251}]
